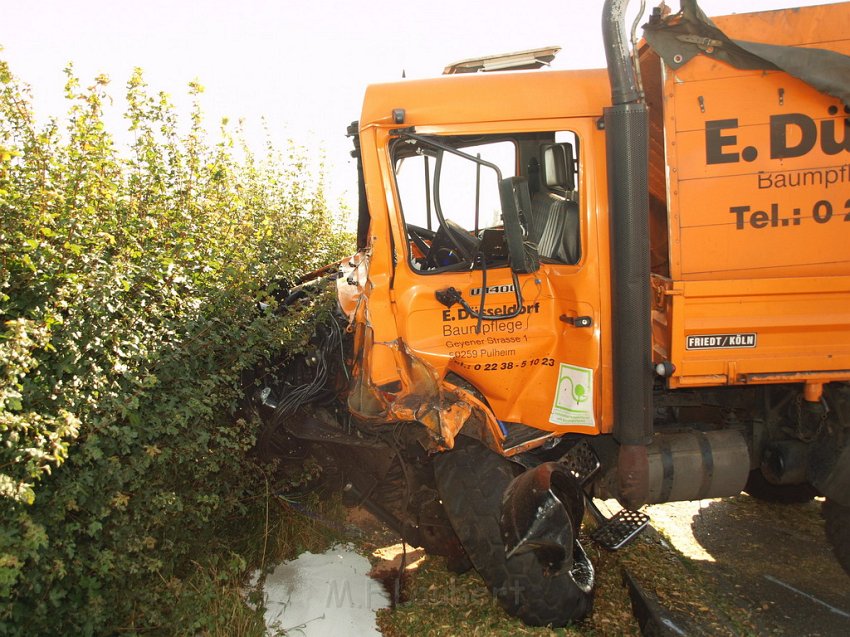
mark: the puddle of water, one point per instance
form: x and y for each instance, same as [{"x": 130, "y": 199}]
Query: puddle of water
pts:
[{"x": 324, "y": 595}]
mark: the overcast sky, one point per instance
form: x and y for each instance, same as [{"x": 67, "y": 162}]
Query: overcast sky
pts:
[{"x": 303, "y": 65}]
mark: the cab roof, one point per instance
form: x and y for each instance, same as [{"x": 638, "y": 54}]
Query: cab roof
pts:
[{"x": 490, "y": 97}]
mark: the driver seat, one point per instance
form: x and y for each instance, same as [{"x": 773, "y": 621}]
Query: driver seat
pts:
[
  {"x": 555, "y": 229},
  {"x": 555, "y": 218}
]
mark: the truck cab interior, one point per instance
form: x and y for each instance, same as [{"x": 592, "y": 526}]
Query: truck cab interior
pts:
[{"x": 448, "y": 188}]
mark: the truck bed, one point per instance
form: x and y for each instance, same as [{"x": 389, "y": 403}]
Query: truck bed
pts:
[{"x": 750, "y": 193}]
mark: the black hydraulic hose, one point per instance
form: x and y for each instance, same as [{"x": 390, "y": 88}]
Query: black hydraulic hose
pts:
[
  {"x": 438, "y": 208},
  {"x": 452, "y": 295},
  {"x": 428, "y": 193},
  {"x": 483, "y": 288},
  {"x": 363, "y": 217}
]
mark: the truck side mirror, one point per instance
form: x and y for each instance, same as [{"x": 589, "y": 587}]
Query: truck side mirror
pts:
[{"x": 516, "y": 214}]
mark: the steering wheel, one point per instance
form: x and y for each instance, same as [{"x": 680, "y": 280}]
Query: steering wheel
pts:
[{"x": 451, "y": 244}]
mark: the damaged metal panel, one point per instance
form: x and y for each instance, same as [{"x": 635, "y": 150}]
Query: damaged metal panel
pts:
[{"x": 418, "y": 394}]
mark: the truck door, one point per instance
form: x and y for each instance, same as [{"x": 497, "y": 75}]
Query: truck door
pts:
[{"x": 528, "y": 342}]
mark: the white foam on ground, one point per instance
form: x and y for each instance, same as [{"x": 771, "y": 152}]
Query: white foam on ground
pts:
[{"x": 324, "y": 595}]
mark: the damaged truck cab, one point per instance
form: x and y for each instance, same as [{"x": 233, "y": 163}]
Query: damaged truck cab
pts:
[
  {"x": 631, "y": 282},
  {"x": 455, "y": 330}
]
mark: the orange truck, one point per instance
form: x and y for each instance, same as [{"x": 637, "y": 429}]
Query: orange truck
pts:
[{"x": 631, "y": 282}]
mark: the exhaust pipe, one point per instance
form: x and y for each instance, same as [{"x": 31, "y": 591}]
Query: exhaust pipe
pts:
[
  {"x": 620, "y": 70},
  {"x": 627, "y": 133}
]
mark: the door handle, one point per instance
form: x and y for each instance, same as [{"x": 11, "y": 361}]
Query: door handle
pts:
[{"x": 577, "y": 321}]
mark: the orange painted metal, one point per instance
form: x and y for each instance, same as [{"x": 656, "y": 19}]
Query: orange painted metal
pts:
[
  {"x": 514, "y": 363},
  {"x": 751, "y": 266},
  {"x": 758, "y": 197},
  {"x": 813, "y": 392}
]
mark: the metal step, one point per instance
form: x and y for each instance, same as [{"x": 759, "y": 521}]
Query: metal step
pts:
[
  {"x": 621, "y": 529},
  {"x": 581, "y": 460},
  {"x": 518, "y": 435}
]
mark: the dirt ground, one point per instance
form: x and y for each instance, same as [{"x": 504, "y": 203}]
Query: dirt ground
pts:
[
  {"x": 736, "y": 566},
  {"x": 770, "y": 560}
]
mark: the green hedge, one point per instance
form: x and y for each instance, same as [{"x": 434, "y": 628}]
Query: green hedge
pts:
[{"x": 129, "y": 289}]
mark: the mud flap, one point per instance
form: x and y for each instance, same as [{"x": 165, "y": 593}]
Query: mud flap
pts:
[
  {"x": 829, "y": 470},
  {"x": 542, "y": 510},
  {"x": 829, "y": 457}
]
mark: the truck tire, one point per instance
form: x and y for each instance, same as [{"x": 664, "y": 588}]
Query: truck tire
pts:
[
  {"x": 758, "y": 487},
  {"x": 837, "y": 518},
  {"x": 471, "y": 480}
]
